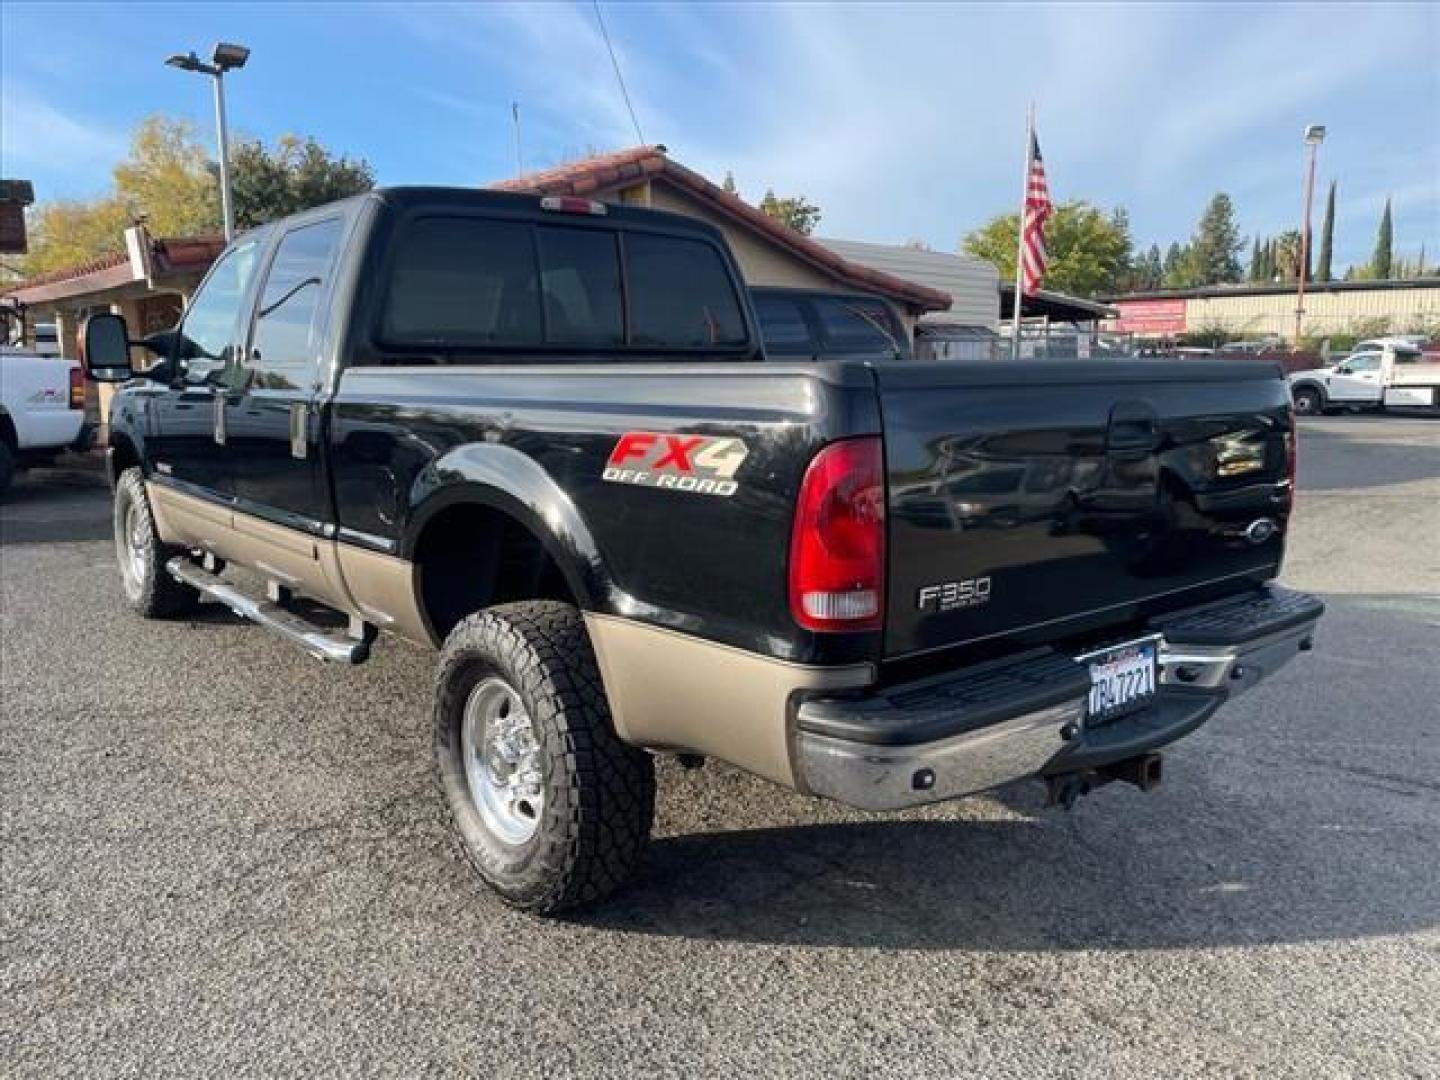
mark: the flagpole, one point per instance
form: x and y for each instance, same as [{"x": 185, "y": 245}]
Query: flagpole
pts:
[{"x": 1020, "y": 235}]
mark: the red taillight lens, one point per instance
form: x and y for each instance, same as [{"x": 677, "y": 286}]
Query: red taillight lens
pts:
[
  {"x": 77, "y": 388},
  {"x": 837, "y": 548}
]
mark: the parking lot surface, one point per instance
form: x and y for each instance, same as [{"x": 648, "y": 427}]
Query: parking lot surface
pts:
[{"x": 221, "y": 858}]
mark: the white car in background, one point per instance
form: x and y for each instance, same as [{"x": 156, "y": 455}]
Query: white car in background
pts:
[
  {"x": 42, "y": 408},
  {"x": 1380, "y": 373}
]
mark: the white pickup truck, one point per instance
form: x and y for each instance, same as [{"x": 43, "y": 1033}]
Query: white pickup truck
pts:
[
  {"x": 42, "y": 408},
  {"x": 1383, "y": 373}
]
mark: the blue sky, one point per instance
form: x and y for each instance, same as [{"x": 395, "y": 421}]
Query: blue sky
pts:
[{"x": 901, "y": 122}]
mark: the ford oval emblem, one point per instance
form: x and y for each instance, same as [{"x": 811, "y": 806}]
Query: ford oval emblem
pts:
[{"x": 1260, "y": 530}]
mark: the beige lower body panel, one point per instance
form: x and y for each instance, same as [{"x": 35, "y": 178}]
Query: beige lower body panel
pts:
[
  {"x": 379, "y": 589},
  {"x": 672, "y": 691}
]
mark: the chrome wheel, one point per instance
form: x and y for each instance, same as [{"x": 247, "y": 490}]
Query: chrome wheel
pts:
[
  {"x": 132, "y": 539},
  {"x": 502, "y": 761}
]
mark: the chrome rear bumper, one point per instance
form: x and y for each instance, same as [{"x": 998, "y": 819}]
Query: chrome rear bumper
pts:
[{"x": 983, "y": 727}]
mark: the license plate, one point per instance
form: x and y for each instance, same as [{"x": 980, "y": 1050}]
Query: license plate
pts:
[{"x": 1122, "y": 679}]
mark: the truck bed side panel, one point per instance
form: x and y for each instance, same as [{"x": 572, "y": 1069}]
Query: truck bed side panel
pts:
[{"x": 707, "y": 564}]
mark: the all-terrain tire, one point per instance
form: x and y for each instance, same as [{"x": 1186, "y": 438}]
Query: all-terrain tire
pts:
[
  {"x": 598, "y": 792},
  {"x": 149, "y": 589}
]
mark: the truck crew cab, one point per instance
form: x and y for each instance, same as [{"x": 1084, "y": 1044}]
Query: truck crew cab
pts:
[{"x": 542, "y": 436}]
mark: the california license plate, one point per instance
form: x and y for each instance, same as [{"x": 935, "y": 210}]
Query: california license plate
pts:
[{"x": 1122, "y": 679}]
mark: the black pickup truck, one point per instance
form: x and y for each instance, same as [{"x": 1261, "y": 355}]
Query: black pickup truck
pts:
[{"x": 542, "y": 436}]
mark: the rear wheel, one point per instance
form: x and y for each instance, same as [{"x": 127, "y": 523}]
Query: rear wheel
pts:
[
  {"x": 1308, "y": 401},
  {"x": 149, "y": 588},
  {"x": 549, "y": 806}
]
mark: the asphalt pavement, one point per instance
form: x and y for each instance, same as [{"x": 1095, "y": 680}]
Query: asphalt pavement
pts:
[{"x": 219, "y": 858}]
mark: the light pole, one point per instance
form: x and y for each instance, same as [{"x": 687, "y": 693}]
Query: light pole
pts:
[
  {"x": 226, "y": 57},
  {"x": 1314, "y": 136}
]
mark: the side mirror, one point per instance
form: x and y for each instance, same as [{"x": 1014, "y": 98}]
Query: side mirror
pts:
[
  {"x": 1343, "y": 369},
  {"x": 105, "y": 349}
]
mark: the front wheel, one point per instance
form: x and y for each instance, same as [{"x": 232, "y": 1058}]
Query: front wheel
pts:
[
  {"x": 149, "y": 588},
  {"x": 549, "y": 806},
  {"x": 1308, "y": 402}
]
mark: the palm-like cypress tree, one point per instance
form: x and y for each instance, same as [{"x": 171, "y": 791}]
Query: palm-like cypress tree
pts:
[
  {"x": 1327, "y": 237},
  {"x": 1380, "y": 265}
]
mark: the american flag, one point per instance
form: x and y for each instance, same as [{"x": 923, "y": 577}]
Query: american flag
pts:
[{"x": 1038, "y": 209}]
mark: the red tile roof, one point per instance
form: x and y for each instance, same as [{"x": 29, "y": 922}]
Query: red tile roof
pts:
[
  {"x": 644, "y": 162},
  {"x": 111, "y": 270}
]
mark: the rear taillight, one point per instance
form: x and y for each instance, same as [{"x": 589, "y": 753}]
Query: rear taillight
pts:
[
  {"x": 77, "y": 388},
  {"x": 837, "y": 548}
]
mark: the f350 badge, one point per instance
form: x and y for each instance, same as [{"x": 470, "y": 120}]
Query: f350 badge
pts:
[
  {"x": 946, "y": 596},
  {"x": 704, "y": 464}
]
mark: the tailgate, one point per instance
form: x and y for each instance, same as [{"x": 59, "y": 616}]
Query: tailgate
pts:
[{"x": 1040, "y": 499}]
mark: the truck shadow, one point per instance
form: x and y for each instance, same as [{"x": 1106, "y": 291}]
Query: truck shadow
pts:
[
  {"x": 55, "y": 505},
  {"x": 1051, "y": 882}
]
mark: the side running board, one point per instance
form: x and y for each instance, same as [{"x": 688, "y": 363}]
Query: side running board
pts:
[{"x": 318, "y": 641}]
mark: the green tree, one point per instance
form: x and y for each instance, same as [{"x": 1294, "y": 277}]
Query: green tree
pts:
[
  {"x": 1177, "y": 270},
  {"x": 1216, "y": 245},
  {"x": 797, "y": 212},
  {"x": 1327, "y": 237},
  {"x": 1254, "y": 269},
  {"x": 1384, "y": 247},
  {"x": 167, "y": 180},
  {"x": 1150, "y": 269},
  {"x": 1089, "y": 250},
  {"x": 65, "y": 232},
  {"x": 296, "y": 175}
]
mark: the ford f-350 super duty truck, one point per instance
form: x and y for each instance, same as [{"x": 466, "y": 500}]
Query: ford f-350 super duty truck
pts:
[{"x": 541, "y": 435}]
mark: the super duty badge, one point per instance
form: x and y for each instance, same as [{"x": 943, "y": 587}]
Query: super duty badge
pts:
[
  {"x": 705, "y": 464},
  {"x": 953, "y": 595}
]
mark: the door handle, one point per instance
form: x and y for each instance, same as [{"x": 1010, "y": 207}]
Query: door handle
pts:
[
  {"x": 299, "y": 414},
  {"x": 219, "y": 399}
]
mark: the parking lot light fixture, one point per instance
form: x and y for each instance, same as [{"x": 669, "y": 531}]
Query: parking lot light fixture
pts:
[
  {"x": 226, "y": 56},
  {"x": 1314, "y": 136}
]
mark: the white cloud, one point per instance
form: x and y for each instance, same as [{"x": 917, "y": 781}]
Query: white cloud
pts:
[{"x": 39, "y": 140}]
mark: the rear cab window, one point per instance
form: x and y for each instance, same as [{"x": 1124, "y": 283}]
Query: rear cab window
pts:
[{"x": 474, "y": 283}]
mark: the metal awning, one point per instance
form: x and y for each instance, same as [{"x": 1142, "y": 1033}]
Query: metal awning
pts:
[{"x": 1057, "y": 307}]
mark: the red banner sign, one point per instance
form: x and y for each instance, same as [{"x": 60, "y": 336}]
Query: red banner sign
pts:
[{"x": 1149, "y": 317}]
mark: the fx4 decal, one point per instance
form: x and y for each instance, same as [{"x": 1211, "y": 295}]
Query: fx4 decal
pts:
[{"x": 705, "y": 464}]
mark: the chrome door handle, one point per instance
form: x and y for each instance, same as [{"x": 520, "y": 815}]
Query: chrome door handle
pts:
[{"x": 299, "y": 413}]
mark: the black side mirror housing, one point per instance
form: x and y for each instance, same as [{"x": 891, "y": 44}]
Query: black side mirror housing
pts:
[{"x": 105, "y": 349}]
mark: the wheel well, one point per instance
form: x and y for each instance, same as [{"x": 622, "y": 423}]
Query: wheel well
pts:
[
  {"x": 122, "y": 456},
  {"x": 7, "y": 431},
  {"x": 471, "y": 556},
  {"x": 1308, "y": 386}
]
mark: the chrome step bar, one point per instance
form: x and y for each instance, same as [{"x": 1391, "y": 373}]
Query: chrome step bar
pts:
[{"x": 336, "y": 646}]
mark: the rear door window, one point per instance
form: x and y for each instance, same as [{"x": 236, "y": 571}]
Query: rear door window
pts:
[
  {"x": 283, "y": 350},
  {"x": 681, "y": 296},
  {"x": 783, "y": 324}
]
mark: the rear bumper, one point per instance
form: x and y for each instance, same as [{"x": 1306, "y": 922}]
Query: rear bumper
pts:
[{"x": 982, "y": 727}]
